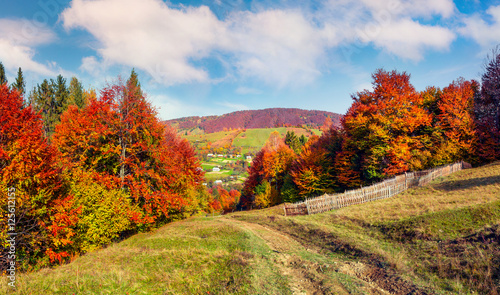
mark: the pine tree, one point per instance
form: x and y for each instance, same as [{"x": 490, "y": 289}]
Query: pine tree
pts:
[
  {"x": 3, "y": 77},
  {"x": 292, "y": 141},
  {"x": 61, "y": 96},
  {"x": 51, "y": 99},
  {"x": 42, "y": 100},
  {"x": 76, "y": 93},
  {"x": 20, "y": 84}
]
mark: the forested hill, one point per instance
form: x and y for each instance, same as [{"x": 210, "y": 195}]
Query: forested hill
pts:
[{"x": 266, "y": 118}]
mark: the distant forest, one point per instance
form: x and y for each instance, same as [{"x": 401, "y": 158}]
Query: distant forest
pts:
[{"x": 266, "y": 118}]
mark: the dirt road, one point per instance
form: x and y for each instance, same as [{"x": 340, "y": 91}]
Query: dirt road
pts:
[{"x": 306, "y": 276}]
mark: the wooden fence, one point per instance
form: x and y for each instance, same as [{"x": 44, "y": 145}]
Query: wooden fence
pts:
[{"x": 381, "y": 190}]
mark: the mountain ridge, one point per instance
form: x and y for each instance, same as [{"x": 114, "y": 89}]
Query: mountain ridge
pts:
[{"x": 263, "y": 118}]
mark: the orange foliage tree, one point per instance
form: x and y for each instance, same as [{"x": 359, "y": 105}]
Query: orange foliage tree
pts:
[
  {"x": 119, "y": 137},
  {"x": 34, "y": 203},
  {"x": 270, "y": 165},
  {"x": 313, "y": 171},
  {"x": 223, "y": 200},
  {"x": 383, "y": 130},
  {"x": 455, "y": 118},
  {"x": 487, "y": 110}
]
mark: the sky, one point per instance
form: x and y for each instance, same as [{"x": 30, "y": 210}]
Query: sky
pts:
[{"x": 201, "y": 57}]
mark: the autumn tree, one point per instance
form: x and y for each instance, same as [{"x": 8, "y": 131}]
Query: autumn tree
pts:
[
  {"x": 487, "y": 109},
  {"x": 270, "y": 165},
  {"x": 44, "y": 214},
  {"x": 120, "y": 138},
  {"x": 383, "y": 129},
  {"x": 455, "y": 118},
  {"x": 223, "y": 199},
  {"x": 255, "y": 177},
  {"x": 313, "y": 172}
]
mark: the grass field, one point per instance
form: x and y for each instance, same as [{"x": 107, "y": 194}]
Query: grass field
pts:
[
  {"x": 249, "y": 140},
  {"x": 440, "y": 239}
]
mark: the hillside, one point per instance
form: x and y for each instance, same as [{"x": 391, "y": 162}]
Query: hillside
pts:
[
  {"x": 241, "y": 141},
  {"x": 440, "y": 239},
  {"x": 266, "y": 118}
]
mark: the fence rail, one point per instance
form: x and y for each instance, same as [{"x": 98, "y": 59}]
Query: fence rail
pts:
[{"x": 381, "y": 190}]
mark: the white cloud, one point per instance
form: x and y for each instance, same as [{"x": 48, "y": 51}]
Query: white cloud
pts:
[
  {"x": 281, "y": 47},
  {"x": 149, "y": 35},
  {"x": 413, "y": 8},
  {"x": 91, "y": 65},
  {"x": 17, "y": 41},
  {"x": 25, "y": 32},
  {"x": 409, "y": 39},
  {"x": 389, "y": 25},
  {"x": 485, "y": 34},
  {"x": 277, "y": 46}
]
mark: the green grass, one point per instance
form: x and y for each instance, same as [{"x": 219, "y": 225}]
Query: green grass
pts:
[
  {"x": 251, "y": 140},
  {"x": 195, "y": 256},
  {"x": 440, "y": 239},
  {"x": 433, "y": 236},
  {"x": 256, "y": 138}
]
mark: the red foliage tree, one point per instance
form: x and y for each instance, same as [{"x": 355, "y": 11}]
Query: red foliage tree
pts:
[
  {"x": 487, "y": 110},
  {"x": 383, "y": 129},
  {"x": 43, "y": 212},
  {"x": 456, "y": 119},
  {"x": 120, "y": 138},
  {"x": 271, "y": 164}
]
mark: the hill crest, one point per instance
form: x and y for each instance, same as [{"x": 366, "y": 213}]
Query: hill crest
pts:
[{"x": 249, "y": 119}]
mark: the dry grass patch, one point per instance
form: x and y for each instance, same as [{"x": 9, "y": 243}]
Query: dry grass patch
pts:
[{"x": 462, "y": 189}]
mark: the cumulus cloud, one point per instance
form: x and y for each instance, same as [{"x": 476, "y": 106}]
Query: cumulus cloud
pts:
[
  {"x": 409, "y": 39},
  {"x": 277, "y": 46},
  {"x": 282, "y": 47},
  {"x": 389, "y": 25},
  {"x": 18, "y": 37},
  {"x": 486, "y": 34},
  {"x": 149, "y": 35}
]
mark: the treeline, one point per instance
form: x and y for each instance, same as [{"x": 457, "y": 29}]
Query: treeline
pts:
[
  {"x": 83, "y": 170},
  {"x": 266, "y": 118},
  {"x": 387, "y": 131}
]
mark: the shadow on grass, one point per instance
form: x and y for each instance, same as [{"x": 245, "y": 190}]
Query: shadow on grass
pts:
[{"x": 454, "y": 185}]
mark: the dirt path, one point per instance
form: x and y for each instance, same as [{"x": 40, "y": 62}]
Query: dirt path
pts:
[
  {"x": 282, "y": 245},
  {"x": 305, "y": 277}
]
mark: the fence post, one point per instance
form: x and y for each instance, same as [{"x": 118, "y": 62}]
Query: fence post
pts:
[
  {"x": 284, "y": 208},
  {"x": 307, "y": 207}
]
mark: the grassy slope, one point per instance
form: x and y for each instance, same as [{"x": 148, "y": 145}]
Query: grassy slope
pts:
[
  {"x": 439, "y": 239},
  {"x": 445, "y": 237},
  {"x": 249, "y": 140}
]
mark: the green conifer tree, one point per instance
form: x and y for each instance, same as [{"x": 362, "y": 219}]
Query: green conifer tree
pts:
[
  {"x": 3, "y": 76},
  {"x": 76, "y": 93},
  {"x": 20, "y": 84}
]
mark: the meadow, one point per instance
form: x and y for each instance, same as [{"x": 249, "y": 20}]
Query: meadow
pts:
[{"x": 439, "y": 239}]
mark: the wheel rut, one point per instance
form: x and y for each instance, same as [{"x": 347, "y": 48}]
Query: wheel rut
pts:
[{"x": 304, "y": 277}]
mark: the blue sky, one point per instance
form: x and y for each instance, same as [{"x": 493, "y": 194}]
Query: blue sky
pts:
[{"x": 213, "y": 57}]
